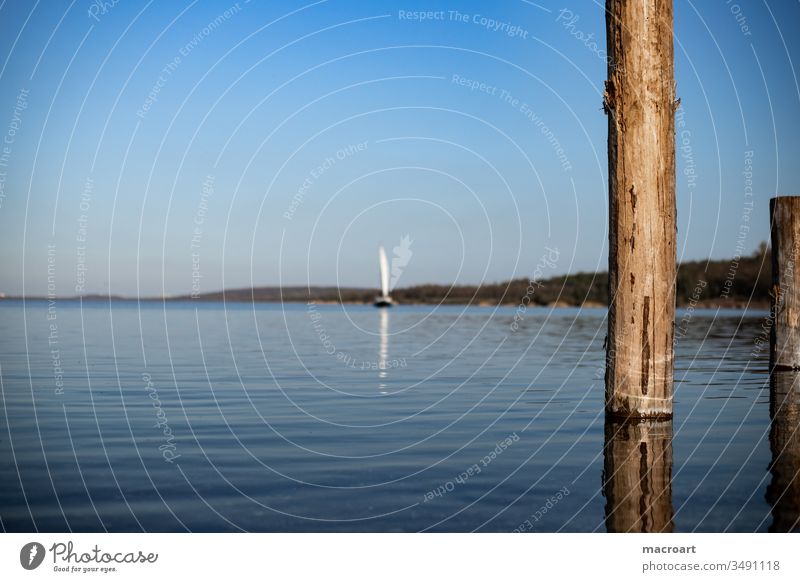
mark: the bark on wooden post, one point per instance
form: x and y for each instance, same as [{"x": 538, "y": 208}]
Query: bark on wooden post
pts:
[
  {"x": 785, "y": 334},
  {"x": 637, "y": 476},
  {"x": 640, "y": 104}
]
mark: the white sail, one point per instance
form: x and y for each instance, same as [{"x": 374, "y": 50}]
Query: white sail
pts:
[{"x": 384, "y": 266}]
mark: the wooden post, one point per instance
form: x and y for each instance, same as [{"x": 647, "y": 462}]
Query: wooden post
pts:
[
  {"x": 785, "y": 232},
  {"x": 637, "y": 476},
  {"x": 783, "y": 492},
  {"x": 640, "y": 103}
]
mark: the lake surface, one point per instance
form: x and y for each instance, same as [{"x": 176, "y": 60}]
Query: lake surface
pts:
[{"x": 211, "y": 417}]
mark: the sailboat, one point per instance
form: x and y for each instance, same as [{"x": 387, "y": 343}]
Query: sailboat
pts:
[{"x": 383, "y": 300}]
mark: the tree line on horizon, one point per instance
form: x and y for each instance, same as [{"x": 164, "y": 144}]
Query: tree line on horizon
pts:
[
  {"x": 733, "y": 282},
  {"x": 725, "y": 282}
]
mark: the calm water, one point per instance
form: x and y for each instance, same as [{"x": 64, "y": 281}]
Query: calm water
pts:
[{"x": 207, "y": 417}]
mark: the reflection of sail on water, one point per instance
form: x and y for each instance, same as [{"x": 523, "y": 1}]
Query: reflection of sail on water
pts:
[
  {"x": 383, "y": 347},
  {"x": 783, "y": 492},
  {"x": 637, "y": 476}
]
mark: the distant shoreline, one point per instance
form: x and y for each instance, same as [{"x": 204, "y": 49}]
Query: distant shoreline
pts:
[
  {"x": 738, "y": 283},
  {"x": 700, "y": 305}
]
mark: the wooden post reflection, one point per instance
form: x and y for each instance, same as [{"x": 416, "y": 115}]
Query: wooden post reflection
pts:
[
  {"x": 783, "y": 492},
  {"x": 637, "y": 476}
]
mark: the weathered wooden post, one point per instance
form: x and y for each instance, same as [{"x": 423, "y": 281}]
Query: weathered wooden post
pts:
[
  {"x": 784, "y": 214},
  {"x": 640, "y": 103},
  {"x": 783, "y": 492},
  {"x": 637, "y": 476}
]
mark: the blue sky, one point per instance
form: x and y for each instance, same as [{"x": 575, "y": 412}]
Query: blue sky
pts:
[{"x": 281, "y": 142}]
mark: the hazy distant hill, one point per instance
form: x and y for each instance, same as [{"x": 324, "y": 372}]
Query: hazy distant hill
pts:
[
  {"x": 721, "y": 282},
  {"x": 291, "y": 294}
]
